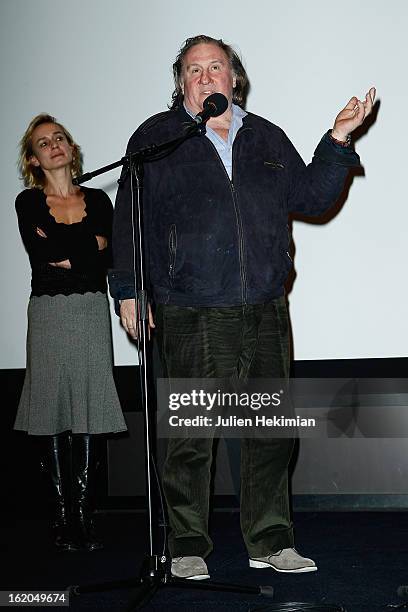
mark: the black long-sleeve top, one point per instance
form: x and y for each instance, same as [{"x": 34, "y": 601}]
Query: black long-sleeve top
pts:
[{"x": 76, "y": 242}]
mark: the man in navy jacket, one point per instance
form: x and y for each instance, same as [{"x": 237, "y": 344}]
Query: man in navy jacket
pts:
[{"x": 217, "y": 245}]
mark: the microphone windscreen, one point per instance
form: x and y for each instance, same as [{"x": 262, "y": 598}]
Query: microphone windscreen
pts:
[{"x": 218, "y": 101}]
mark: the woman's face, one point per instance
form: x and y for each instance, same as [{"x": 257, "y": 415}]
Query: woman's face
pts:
[{"x": 51, "y": 149}]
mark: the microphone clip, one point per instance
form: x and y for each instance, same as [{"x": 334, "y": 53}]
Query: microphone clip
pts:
[{"x": 201, "y": 129}]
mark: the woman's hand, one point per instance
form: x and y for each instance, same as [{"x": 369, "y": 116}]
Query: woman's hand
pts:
[
  {"x": 61, "y": 264},
  {"x": 102, "y": 242},
  {"x": 40, "y": 232},
  {"x": 56, "y": 264}
]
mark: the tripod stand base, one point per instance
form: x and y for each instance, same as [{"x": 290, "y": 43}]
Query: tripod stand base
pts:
[{"x": 154, "y": 575}]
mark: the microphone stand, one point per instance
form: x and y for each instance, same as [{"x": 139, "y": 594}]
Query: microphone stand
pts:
[{"x": 155, "y": 572}]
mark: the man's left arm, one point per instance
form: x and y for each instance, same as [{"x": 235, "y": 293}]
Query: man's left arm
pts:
[{"x": 316, "y": 187}]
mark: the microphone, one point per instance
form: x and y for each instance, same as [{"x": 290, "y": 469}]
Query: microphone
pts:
[{"x": 213, "y": 106}]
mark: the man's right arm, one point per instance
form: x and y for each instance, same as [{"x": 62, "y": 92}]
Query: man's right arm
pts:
[
  {"x": 125, "y": 258},
  {"x": 121, "y": 276}
]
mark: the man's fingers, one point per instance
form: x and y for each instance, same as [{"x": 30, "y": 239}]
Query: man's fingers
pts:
[
  {"x": 129, "y": 328},
  {"x": 360, "y": 110},
  {"x": 151, "y": 320},
  {"x": 355, "y": 106},
  {"x": 151, "y": 324},
  {"x": 128, "y": 317},
  {"x": 369, "y": 100},
  {"x": 351, "y": 103},
  {"x": 129, "y": 322}
]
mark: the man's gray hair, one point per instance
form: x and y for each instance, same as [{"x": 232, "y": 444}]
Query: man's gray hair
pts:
[{"x": 241, "y": 88}]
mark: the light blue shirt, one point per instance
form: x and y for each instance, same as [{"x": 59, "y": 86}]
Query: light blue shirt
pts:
[{"x": 224, "y": 148}]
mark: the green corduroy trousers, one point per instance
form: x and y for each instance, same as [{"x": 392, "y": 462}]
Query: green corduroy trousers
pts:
[{"x": 244, "y": 342}]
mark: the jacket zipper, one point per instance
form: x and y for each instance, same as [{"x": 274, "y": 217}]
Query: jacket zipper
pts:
[
  {"x": 289, "y": 242},
  {"x": 238, "y": 220},
  {"x": 172, "y": 251}
]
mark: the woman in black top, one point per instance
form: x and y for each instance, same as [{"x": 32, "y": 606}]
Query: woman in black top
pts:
[{"x": 69, "y": 393}]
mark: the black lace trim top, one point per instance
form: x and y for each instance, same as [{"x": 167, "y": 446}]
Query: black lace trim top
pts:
[{"x": 76, "y": 242}]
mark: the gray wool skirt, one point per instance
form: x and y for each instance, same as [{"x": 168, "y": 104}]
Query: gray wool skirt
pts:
[{"x": 69, "y": 382}]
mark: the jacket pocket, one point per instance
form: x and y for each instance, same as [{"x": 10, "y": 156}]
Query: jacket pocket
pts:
[
  {"x": 172, "y": 252},
  {"x": 274, "y": 164}
]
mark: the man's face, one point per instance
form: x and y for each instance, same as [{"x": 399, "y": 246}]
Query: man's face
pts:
[{"x": 206, "y": 70}]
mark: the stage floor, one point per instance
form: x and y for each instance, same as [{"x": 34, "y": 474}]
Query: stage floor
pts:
[{"x": 362, "y": 559}]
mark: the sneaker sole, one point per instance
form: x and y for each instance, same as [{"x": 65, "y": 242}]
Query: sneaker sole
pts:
[
  {"x": 261, "y": 565},
  {"x": 197, "y": 577}
]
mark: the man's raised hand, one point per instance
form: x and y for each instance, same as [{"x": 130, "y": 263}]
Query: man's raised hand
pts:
[{"x": 353, "y": 115}]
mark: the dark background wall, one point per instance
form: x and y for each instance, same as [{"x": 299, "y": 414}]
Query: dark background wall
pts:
[{"x": 348, "y": 472}]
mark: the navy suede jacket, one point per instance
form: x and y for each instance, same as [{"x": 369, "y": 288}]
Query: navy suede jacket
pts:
[{"x": 210, "y": 241}]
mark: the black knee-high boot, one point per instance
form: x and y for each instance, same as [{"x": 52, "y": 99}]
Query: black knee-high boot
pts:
[
  {"x": 57, "y": 462},
  {"x": 83, "y": 472}
]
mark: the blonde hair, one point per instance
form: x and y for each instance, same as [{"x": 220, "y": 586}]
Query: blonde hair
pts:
[{"x": 33, "y": 176}]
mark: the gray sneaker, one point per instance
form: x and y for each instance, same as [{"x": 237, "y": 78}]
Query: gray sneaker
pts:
[
  {"x": 192, "y": 568},
  {"x": 287, "y": 560}
]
